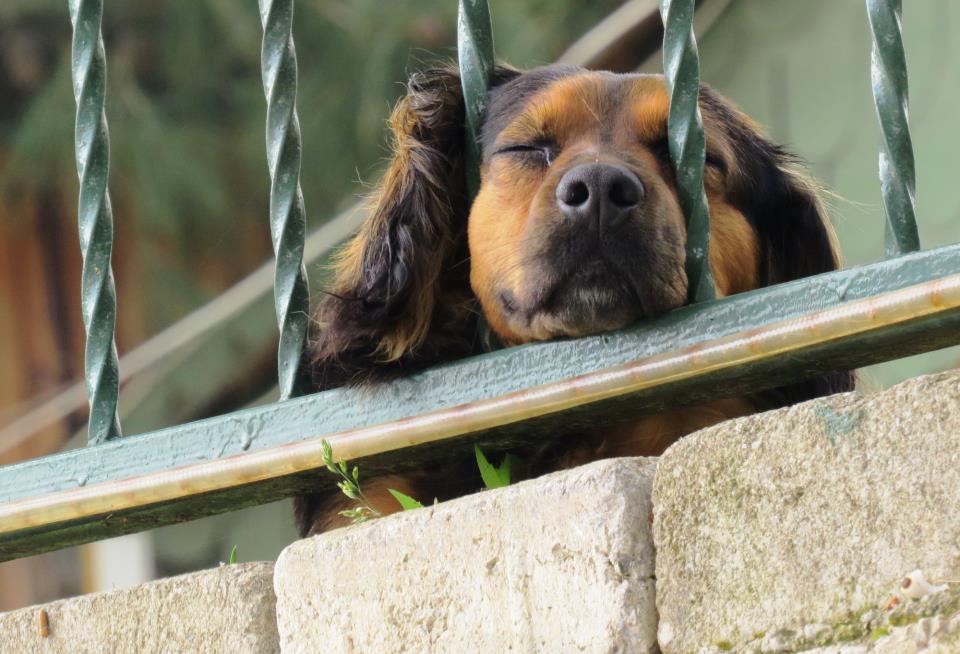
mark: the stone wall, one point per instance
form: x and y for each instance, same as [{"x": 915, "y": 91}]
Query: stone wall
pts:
[
  {"x": 228, "y": 609},
  {"x": 831, "y": 526},
  {"x": 793, "y": 528}
]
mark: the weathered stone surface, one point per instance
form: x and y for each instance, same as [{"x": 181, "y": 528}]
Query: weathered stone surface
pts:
[
  {"x": 560, "y": 564},
  {"x": 791, "y": 529},
  {"x": 930, "y": 625},
  {"x": 228, "y": 609}
]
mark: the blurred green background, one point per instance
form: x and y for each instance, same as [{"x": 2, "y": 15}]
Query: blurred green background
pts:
[{"x": 190, "y": 185}]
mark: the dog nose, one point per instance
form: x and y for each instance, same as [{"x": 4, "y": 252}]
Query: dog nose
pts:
[{"x": 599, "y": 194}]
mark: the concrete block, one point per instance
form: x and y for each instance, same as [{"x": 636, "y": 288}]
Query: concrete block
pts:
[
  {"x": 792, "y": 529},
  {"x": 559, "y": 564},
  {"x": 228, "y": 609}
]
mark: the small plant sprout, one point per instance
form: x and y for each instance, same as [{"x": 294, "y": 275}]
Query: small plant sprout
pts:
[
  {"x": 349, "y": 485},
  {"x": 494, "y": 477},
  {"x": 233, "y": 556},
  {"x": 407, "y": 502}
]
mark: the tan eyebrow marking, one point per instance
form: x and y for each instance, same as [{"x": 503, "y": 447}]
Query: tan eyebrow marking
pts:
[
  {"x": 564, "y": 109},
  {"x": 649, "y": 108}
]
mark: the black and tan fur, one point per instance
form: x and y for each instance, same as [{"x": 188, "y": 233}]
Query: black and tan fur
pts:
[{"x": 430, "y": 277}]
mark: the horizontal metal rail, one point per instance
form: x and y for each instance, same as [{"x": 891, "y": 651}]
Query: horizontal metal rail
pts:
[{"x": 744, "y": 343}]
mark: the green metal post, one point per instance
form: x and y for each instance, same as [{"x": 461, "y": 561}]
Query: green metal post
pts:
[
  {"x": 681, "y": 67},
  {"x": 278, "y": 61},
  {"x": 888, "y": 73},
  {"x": 95, "y": 220},
  {"x": 475, "y": 54}
]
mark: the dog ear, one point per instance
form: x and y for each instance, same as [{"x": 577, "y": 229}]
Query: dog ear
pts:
[
  {"x": 782, "y": 204},
  {"x": 794, "y": 228},
  {"x": 784, "y": 207},
  {"x": 799, "y": 241},
  {"x": 400, "y": 297}
]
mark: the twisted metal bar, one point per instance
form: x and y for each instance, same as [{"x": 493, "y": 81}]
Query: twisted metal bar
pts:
[
  {"x": 888, "y": 74},
  {"x": 95, "y": 220},
  {"x": 475, "y": 54},
  {"x": 681, "y": 67},
  {"x": 278, "y": 60}
]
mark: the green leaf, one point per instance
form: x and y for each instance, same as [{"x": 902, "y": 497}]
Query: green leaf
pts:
[
  {"x": 496, "y": 477},
  {"x": 491, "y": 476},
  {"x": 406, "y": 501},
  {"x": 506, "y": 468},
  {"x": 356, "y": 473},
  {"x": 327, "y": 453},
  {"x": 233, "y": 556}
]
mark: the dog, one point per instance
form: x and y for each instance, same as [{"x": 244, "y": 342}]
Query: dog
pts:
[{"x": 576, "y": 229}]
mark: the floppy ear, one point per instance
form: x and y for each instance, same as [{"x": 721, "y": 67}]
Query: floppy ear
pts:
[
  {"x": 784, "y": 207},
  {"x": 401, "y": 298},
  {"x": 781, "y": 203},
  {"x": 795, "y": 231},
  {"x": 799, "y": 241}
]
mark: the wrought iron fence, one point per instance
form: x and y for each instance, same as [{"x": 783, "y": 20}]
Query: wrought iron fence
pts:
[{"x": 906, "y": 304}]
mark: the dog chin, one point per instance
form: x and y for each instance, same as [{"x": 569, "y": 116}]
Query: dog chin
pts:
[
  {"x": 578, "y": 311},
  {"x": 592, "y": 299},
  {"x": 581, "y": 310},
  {"x": 545, "y": 326}
]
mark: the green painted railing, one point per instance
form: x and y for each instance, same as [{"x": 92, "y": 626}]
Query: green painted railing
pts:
[
  {"x": 288, "y": 217},
  {"x": 710, "y": 349},
  {"x": 95, "y": 217},
  {"x": 475, "y": 54},
  {"x": 681, "y": 68},
  {"x": 888, "y": 72}
]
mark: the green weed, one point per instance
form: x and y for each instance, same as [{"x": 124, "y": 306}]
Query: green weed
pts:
[{"x": 349, "y": 484}]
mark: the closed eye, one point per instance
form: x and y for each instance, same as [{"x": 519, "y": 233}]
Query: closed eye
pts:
[{"x": 542, "y": 152}]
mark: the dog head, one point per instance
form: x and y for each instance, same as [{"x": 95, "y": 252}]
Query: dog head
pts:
[{"x": 576, "y": 228}]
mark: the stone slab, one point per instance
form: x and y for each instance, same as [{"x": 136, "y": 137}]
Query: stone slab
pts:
[
  {"x": 559, "y": 564},
  {"x": 790, "y": 529},
  {"x": 228, "y": 609}
]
